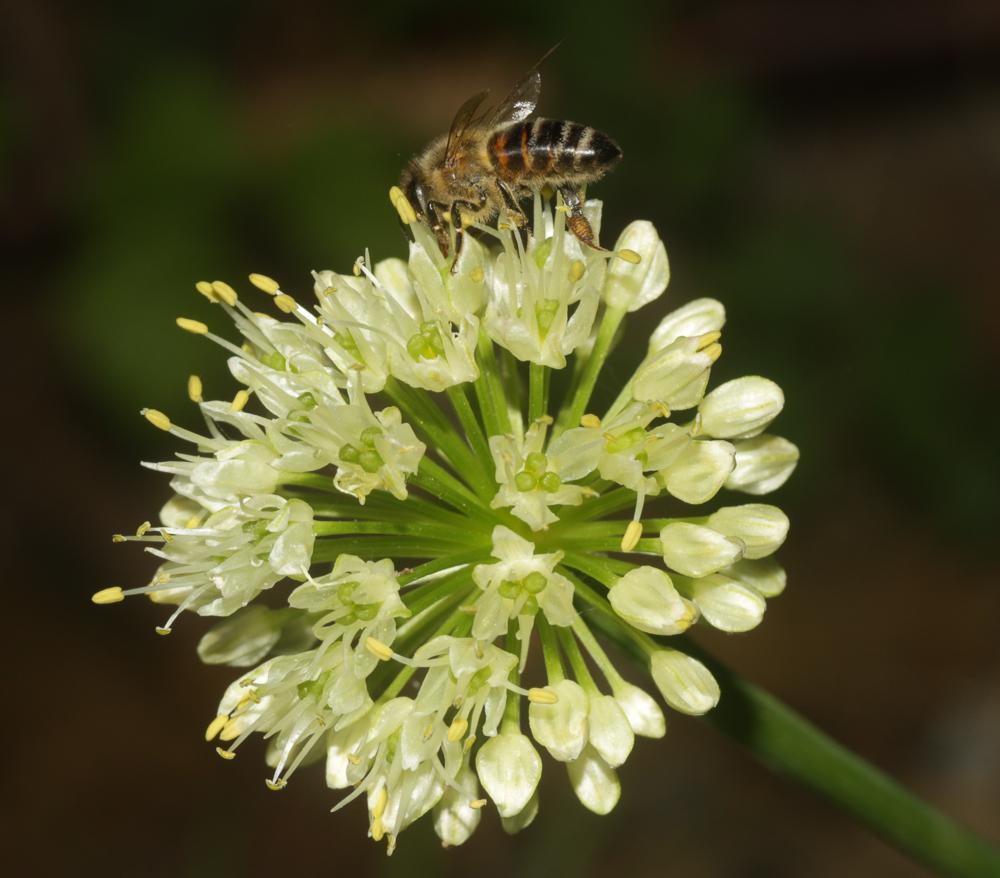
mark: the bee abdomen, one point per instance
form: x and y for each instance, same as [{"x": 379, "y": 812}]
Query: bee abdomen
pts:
[{"x": 551, "y": 147}]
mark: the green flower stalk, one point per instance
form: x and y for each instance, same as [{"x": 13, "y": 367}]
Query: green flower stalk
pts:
[{"x": 393, "y": 515}]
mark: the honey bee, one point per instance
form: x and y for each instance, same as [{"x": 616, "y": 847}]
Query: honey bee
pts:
[{"x": 493, "y": 158}]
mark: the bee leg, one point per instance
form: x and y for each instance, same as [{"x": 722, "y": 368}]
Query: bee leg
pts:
[
  {"x": 436, "y": 210},
  {"x": 576, "y": 222},
  {"x": 456, "y": 222},
  {"x": 517, "y": 214}
]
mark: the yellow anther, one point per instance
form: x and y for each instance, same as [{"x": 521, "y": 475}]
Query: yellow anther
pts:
[
  {"x": 143, "y": 528},
  {"x": 167, "y": 536},
  {"x": 111, "y": 595},
  {"x": 275, "y": 785},
  {"x": 264, "y": 283},
  {"x": 378, "y": 809},
  {"x": 240, "y": 400},
  {"x": 576, "y": 270},
  {"x": 356, "y": 268},
  {"x": 562, "y": 208},
  {"x": 629, "y": 256},
  {"x": 118, "y": 538},
  {"x": 708, "y": 338},
  {"x": 542, "y": 696},
  {"x": 189, "y": 325},
  {"x": 226, "y": 754},
  {"x": 477, "y": 275},
  {"x": 163, "y": 632},
  {"x": 378, "y": 830},
  {"x": 428, "y": 731},
  {"x": 160, "y": 597},
  {"x": 193, "y": 522},
  {"x": 714, "y": 351},
  {"x": 230, "y": 730},
  {"x": 285, "y": 303},
  {"x": 161, "y": 578},
  {"x": 378, "y": 649},
  {"x": 457, "y": 729},
  {"x": 215, "y": 726},
  {"x": 225, "y": 292},
  {"x": 157, "y": 418},
  {"x": 590, "y": 420},
  {"x": 469, "y": 743},
  {"x": 194, "y": 388},
  {"x": 631, "y": 537},
  {"x": 246, "y": 347},
  {"x": 403, "y": 207},
  {"x": 478, "y": 803},
  {"x": 353, "y": 758},
  {"x": 205, "y": 288}
]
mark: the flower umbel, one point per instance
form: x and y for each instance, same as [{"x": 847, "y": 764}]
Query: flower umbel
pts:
[{"x": 392, "y": 474}]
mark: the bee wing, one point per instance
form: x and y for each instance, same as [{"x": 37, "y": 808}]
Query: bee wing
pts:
[
  {"x": 518, "y": 105},
  {"x": 464, "y": 120}
]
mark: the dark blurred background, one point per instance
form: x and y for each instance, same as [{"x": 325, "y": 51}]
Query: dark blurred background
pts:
[{"x": 829, "y": 170}]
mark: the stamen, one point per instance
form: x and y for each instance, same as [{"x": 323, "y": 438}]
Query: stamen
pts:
[
  {"x": 378, "y": 649},
  {"x": 225, "y": 292},
  {"x": 629, "y": 256},
  {"x": 478, "y": 803},
  {"x": 264, "y": 283},
  {"x": 576, "y": 270},
  {"x": 193, "y": 326},
  {"x": 275, "y": 785},
  {"x": 157, "y": 419},
  {"x": 457, "y": 729},
  {"x": 240, "y": 400},
  {"x": 542, "y": 696},
  {"x": 215, "y": 726},
  {"x": 112, "y": 595},
  {"x": 205, "y": 288},
  {"x": 226, "y": 754},
  {"x": 631, "y": 537},
  {"x": 379, "y": 808},
  {"x": 194, "y": 388},
  {"x": 286, "y": 304},
  {"x": 143, "y": 529},
  {"x": 590, "y": 420},
  {"x": 403, "y": 207}
]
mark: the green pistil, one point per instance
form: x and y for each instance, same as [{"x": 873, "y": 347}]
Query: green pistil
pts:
[
  {"x": 347, "y": 342},
  {"x": 427, "y": 343},
  {"x": 274, "y": 360},
  {"x": 545, "y": 314}
]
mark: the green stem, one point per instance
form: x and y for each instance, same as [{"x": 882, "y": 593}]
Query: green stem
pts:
[
  {"x": 537, "y": 391},
  {"x": 791, "y": 746},
  {"x": 441, "y": 484},
  {"x": 554, "y": 672},
  {"x": 512, "y": 709},
  {"x": 489, "y": 390},
  {"x": 441, "y": 435},
  {"x": 572, "y": 413},
  {"x": 470, "y": 424},
  {"x": 442, "y": 563},
  {"x": 441, "y": 532},
  {"x": 330, "y": 548},
  {"x": 614, "y": 501}
]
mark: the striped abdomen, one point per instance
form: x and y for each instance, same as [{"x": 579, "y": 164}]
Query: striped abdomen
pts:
[{"x": 551, "y": 148}]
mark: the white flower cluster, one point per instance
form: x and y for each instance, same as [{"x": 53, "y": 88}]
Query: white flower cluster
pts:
[{"x": 426, "y": 571}]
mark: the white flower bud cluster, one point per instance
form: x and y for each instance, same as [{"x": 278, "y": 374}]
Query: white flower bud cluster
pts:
[{"x": 413, "y": 564}]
